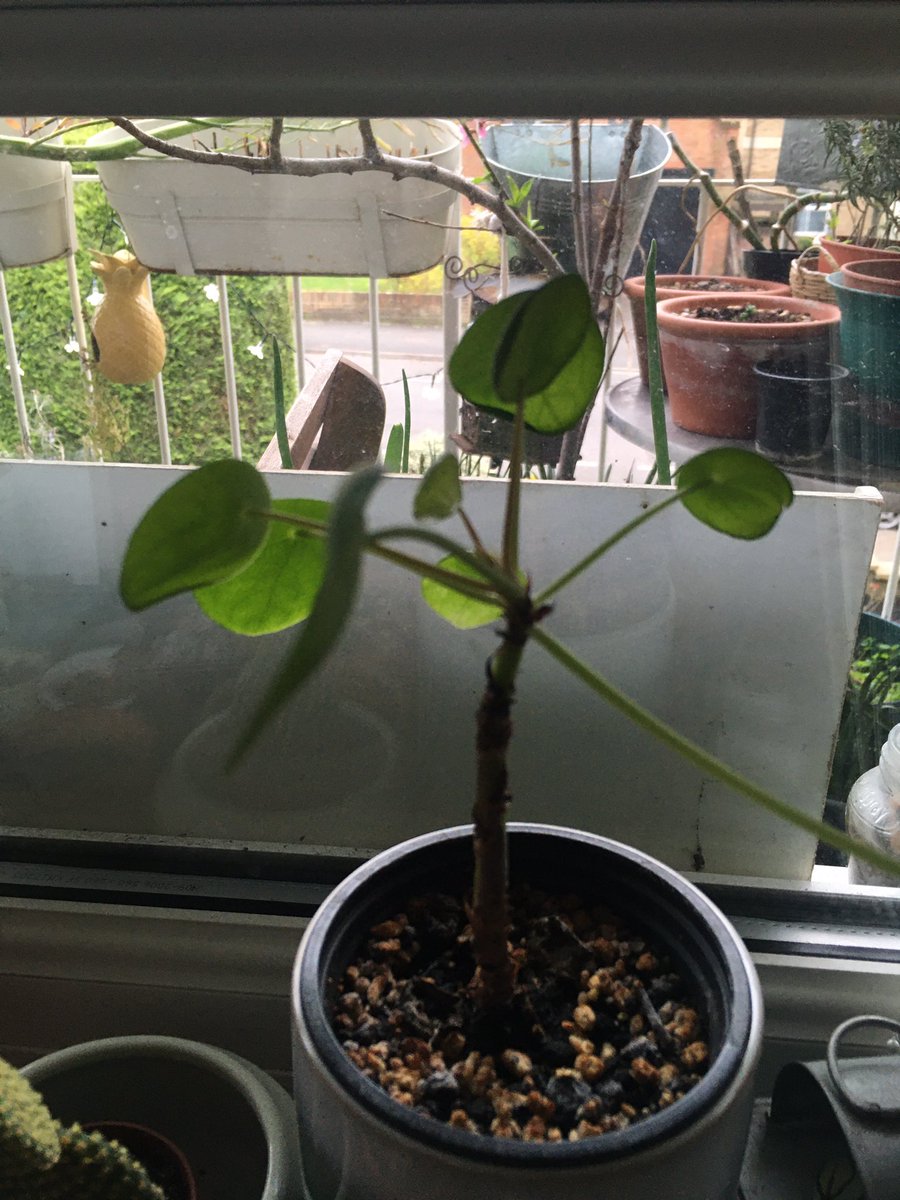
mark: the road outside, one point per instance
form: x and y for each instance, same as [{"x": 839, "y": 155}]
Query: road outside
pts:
[{"x": 418, "y": 351}]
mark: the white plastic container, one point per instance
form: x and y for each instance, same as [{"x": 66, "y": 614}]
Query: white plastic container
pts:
[
  {"x": 197, "y": 218},
  {"x": 36, "y": 223},
  {"x": 873, "y": 812}
]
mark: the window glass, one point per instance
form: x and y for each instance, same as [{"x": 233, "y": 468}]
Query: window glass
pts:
[{"x": 154, "y": 273}]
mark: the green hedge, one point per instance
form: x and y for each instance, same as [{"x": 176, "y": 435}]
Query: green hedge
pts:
[{"x": 122, "y": 425}]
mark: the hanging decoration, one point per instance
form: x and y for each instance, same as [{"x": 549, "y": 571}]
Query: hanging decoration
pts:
[{"x": 129, "y": 341}]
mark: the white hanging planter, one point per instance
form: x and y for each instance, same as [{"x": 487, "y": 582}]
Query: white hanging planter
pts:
[
  {"x": 36, "y": 222},
  {"x": 197, "y": 218}
]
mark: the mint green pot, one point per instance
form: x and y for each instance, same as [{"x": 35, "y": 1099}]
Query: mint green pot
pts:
[{"x": 870, "y": 348}]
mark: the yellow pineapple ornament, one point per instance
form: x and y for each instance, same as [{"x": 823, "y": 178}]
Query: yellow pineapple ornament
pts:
[{"x": 128, "y": 338}]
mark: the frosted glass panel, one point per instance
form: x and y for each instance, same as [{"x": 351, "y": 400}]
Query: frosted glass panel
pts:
[{"x": 120, "y": 722}]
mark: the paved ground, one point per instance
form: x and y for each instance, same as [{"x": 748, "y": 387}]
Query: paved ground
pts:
[{"x": 418, "y": 351}]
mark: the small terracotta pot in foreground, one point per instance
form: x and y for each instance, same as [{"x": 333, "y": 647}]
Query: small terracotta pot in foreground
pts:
[
  {"x": 669, "y": 286},
  {"x": 709, "y": 364}
]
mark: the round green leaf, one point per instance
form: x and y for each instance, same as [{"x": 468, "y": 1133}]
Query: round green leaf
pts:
[
  {"x": 541, "y": 339},
  {"x": 461, "y": 611},
  {"x": 203, "y": 529},
  {"x": 439, "y": 494},
  {"x": 279, "y": 586},
  {"x": 561, "y": 403},
  {"x": 734, "y": 491},
  {"x": 472, "y": 362}
]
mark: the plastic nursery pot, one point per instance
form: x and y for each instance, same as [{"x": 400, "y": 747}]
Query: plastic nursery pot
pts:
[
  {"x": 232, "y": 1122},
  {"x": 774, "y": 265},
  {"x": 880, "y": 275},
  {"x": 842, "y": 253},
  {"x": 870, "y": 348},
  {"x": 358, "y": 1143},
  {"x": 709, "y": 364},
  {"x": 795, "y": 406},
  {"x": 668, "y": 286}
]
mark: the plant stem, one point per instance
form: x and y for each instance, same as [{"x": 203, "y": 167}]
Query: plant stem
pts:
[
  {"x": 600, "y": 550},
  {"x": 708, "y": 186},
  {"x": 505, "y": 585},
  {"x": 707, "y": 762},
  {"x": 478, "y": 590},
  {"x": 510, "y": 554},
  {"x": 489, "y": 916}
]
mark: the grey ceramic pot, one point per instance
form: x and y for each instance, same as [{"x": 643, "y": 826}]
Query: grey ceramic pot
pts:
[
  {"x": 233, "y": 1123},
  {"x": 358, "y": 1144}
]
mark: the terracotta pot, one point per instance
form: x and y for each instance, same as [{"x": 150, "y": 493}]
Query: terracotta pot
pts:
[
  {"x": 669, "y": 286},
  {"x": 848, "y": 252},
  {"x": 880, "y": 275},
  {"x": 709, "y": 364}
]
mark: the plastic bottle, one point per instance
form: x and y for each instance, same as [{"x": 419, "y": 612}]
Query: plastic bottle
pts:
[{"x": 873, "y": 813}]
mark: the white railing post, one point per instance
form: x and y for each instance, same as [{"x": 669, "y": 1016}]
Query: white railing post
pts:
[
  {"x": 450, "y": 314},
  {"x": 299, "y": 358},
  {"x": 159, "y": 401},
  {"x": 228, "y": 356},
  {"x": 375, "y": 327},
  {"x": 12, "y": 360}
]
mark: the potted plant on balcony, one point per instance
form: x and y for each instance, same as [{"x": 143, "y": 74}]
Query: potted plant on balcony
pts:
[
  {"x": 428, "y": 1016},
  {"x": 668, "y": 286},
  {"x": 866, "y": 158},
  {"x": 710, "y": 347}
]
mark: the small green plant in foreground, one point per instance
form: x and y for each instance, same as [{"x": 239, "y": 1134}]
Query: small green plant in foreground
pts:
[
  {"x": 41, "y": 1159},
  {"x": 257, "y": 565}
]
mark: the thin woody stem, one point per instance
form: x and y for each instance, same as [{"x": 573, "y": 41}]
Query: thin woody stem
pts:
[{"x": 489, "y": 915}]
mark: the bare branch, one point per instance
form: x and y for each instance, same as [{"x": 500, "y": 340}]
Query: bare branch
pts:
[
  {"x": 371, "y": 160},
  {"x": 275, "y": 141},
  {"x": 737, "y": 167}
]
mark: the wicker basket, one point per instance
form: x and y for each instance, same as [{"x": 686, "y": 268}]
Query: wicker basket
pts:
[{"x": 807, "y": 281}]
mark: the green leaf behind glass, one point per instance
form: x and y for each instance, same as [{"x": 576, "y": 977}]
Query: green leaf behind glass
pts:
[
  {"x": 439, "y": 494},
  {"x": 393, "y": 451},
  {"x": 279, "y": 586},
  {"x": 734, "y": 491},
  {"x": 201, "y": 530}
]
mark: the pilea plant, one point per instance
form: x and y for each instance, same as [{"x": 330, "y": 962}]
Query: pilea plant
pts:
[
  {"x": 256, "y": 565},
  {"x": 41, "y": 1159}
]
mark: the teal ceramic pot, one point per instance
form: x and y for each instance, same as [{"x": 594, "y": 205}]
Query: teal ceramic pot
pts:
[{"x": 870, "y": 348}]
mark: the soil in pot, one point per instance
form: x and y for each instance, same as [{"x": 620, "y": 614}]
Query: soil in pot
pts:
[
  {"x": 601, "y": 1032},
  {"x": 745, "y": 314},
  {"x": 668, "y": 286}
]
